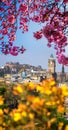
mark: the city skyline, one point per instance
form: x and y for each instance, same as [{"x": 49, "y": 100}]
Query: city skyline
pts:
[{"x": 13, "y": 62}]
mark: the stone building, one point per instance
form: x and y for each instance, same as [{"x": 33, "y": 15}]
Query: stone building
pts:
[
  {"x": 59, "y": 76},
  {"x": 51, "y": 64},
  {"x": 51, "y": 72},
  {"x": 62, "y": 75}
]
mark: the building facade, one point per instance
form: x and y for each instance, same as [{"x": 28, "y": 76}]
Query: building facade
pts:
[
  {"x": 59, "y": 76},
  {"x": 51, "y": 64}
]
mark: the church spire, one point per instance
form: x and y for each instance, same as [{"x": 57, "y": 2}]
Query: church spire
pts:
[{"x": 62, "y": 68}]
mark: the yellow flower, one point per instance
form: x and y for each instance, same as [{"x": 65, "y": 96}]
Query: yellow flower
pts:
[
  {"x": 1, "y": 112},
  {"x": 31, "y": 115},
  {"x": 64, "y": 90},
  {"x": 24, "y": 114},
  {"x": 48, "y": 113},
  {"x": 30, "y": 98},
  {"x": 53, "y": 120},
  {"x": 54, "y": 89},
  {"x": 1, "y": 120},
  {"x": 38, "y": 88},
  {"x": 53, "y": 103},
  {"x": 48, "y": 92},
  {"x": 60, "y": 125},
  {"x": 1, "y": 100},
  {"x": 6, "y": 110},
  {"x": 65, "y": 93},
  {"x": 19, "y": 88},
  {"x": 48, "y": 103},
  {"x": 57, "y": 102},
  {"x": 52, "y": 83},
  {"x": 45, "y": 83},
  {"x": 21, "y": 107},
  {"x": 39, "y": 101},
  {"x": 66, "y": 128},
  {"x": 64, "y": 87},
  {"x": 1, "y": 128},
  {"x": 15, "y": 92},
  {"x": 36, "y": 100},
  {"x": 17, "y": 116},
  {"x": 60, "y": 109},
  {"x": 31, "y": 86},
  {"x": 48, "y": 124},
  {"x": 4, "y": 124}
]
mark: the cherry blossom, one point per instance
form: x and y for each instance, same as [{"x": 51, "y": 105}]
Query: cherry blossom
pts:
[
  {"x": 11, "y": 19},
  {"x": 65, "y": 1},
  {"x": 38, "y": 35},
  {"x": 22, "y": 50},
  {"x": 52, "y": 13},
  {"x": 23, "y": 8},
  {"x": 14, "y": 51}
]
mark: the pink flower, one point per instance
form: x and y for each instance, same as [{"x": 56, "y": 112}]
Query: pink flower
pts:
[
  {"x": 22, "y": 50},
  {"x": 4, "y": 0},
  {"x": 38, "y": 34},
  {"x": 56, "y": 0},
  {"x": 10, "y": 43},
  {"x": 36, "y": 18},
  {"x": 23, "y": 8},
  {"x": 14, "y": 51},
  {"x": 4, "y": 32},
  {"x": 0, "y": 18},
  {"x": 63, "y": 39},
  {"x": 25, "y": 27},
  {"x": 56, "y": 24},
  {"x": 23, "y": 20},
  {"x": 61, "y": 58},
  {"x": 61, "y": 42},
  {"x": 48, "y": 30},
  {"x": 12, "y": 38},
  {"x": 1, "y": 9},
  {"x": 11, "y": 19},
  {"x": 6, "y": 51},
  {"x": 49, "y": 44},
  {"x": 1, "y": 38},
  {"x": 66, "y": 14},
  {"x": 56, "y": 36},
  {"x": 29, "y": 1},
  {"x": 65, "y": 1},
  {"x": 19, "y": 0}
]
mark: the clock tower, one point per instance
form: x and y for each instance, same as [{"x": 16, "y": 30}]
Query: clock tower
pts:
[{"x": 51, "y": 64}]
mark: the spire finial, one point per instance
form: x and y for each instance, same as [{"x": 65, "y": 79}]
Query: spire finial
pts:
[{"x": 51, "y": 56}]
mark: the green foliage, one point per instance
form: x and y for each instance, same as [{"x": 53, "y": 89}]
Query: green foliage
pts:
[{"x": 2, "y": 90}]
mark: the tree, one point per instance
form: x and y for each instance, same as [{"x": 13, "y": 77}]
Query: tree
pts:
[
  {"x": 54, "y": 15},
  {"x": 1, "y": 72}
]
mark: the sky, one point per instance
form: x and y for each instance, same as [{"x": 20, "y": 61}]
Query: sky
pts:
[{"x": 37, "y": 52}]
